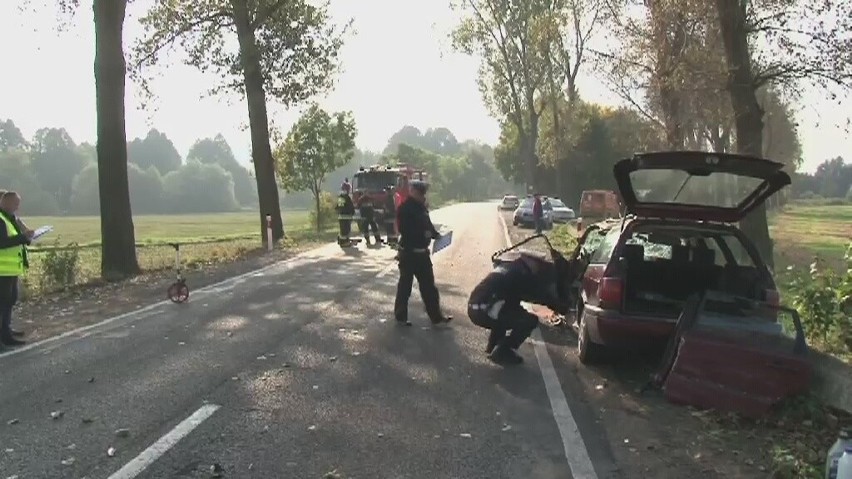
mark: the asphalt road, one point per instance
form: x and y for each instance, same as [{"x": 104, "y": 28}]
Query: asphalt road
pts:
[{"x": 297, "y": 371}]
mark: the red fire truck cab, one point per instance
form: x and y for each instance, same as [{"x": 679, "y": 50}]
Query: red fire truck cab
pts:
[{"x": 373, "y": 180}]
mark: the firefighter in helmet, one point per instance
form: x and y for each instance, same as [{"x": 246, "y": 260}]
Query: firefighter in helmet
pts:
[
  {"x": 345, "y": 215},
  {"x": 368, "y": 218}
]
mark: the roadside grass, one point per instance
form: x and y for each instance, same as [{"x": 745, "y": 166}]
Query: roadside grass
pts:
[
  {"x": 803, "y": 231},
  {"x": 73, "y": 256}
]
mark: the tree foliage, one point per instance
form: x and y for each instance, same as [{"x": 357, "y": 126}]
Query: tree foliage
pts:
[
  {"x": 217, "y": 151},
  {"x": 318, "y": 144},
  {"x": 286, "y": 50},
  {"x": 156, "y": 150},
  {"x": 297, "y": 44}
]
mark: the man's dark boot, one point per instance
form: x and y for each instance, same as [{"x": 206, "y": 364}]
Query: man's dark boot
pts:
[
  {"x": 403, "y": 322},
  {"x": 494, "y": 337},
  {"x": 504, "y": 355},
  {"x": 442, "y": 319}
]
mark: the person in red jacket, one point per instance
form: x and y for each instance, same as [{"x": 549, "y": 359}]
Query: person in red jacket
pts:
[{"x": 538, "y": 214}]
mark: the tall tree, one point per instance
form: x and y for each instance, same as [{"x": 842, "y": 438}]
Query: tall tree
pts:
[
  {"x": 11, "y": 136},
  {"x": 118, "y": 242},
  {"x": 118, "y": 239},
  {"x": 815, "y": 51},
  {"x": 316, "y": 145},
  {"x": 513, "y": 72},
  {"x": 285, "y": 49}
]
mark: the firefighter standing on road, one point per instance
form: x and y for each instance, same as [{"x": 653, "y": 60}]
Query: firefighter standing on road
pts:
[
  {"x": 368, "y": 218},
  {"x": 416, "y": 231},
  {"x": 345, "y": 215}
]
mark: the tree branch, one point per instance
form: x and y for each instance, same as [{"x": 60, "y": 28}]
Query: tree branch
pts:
[{"x": 186, "y": 28}]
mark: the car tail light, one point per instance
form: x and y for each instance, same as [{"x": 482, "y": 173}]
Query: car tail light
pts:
[
  {"x": 773, "y": 297},
  {"x": 610, "y": 292}
]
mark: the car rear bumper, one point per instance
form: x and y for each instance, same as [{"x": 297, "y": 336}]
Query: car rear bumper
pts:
[{"x": 614, "y": 328}]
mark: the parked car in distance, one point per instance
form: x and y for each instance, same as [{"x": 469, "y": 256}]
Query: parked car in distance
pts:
[
  {"x": 523, "y": 215},
  {"x": 599, "y": 204},
  {"x": 679, "y": 240},
  {"x": 509, "y": 202},
  {"x": 561, "y": 212}
]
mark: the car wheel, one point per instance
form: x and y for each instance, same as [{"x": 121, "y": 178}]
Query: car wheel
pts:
[
  {"x": 514, "y": 222},
  {"x": 588, "y": 351}
]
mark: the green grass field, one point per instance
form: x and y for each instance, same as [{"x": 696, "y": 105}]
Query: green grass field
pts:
[
  {"x": 164, "y": 228},
  {"x": 207, "y": 239},
  {"x": 801, "y": 232}
]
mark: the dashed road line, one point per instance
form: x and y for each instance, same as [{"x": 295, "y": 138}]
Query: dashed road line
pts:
[
  {"x": 156, "y": 450},
  {"x": 576, "y": 452}
]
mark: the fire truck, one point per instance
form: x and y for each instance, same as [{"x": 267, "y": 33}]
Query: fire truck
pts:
[{"x": 373, "y": 180}]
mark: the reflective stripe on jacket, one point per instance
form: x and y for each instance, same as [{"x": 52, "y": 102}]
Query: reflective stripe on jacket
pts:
[{"x": 12, "y": 258}]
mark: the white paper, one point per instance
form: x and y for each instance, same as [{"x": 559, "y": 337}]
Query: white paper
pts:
[
  {"x": 42, "y": 231},
  {"x": 442, "y": 242}
]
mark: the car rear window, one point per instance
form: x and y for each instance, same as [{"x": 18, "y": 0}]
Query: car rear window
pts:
[{"x": 728, "y": 248}]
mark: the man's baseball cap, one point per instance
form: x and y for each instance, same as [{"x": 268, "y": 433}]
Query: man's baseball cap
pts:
[{"x": 419, "y": 185}]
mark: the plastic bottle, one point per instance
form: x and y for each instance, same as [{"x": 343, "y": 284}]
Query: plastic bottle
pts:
[
  {"x": 843, "y": 442},
  {"x": 844, "y": 465}
]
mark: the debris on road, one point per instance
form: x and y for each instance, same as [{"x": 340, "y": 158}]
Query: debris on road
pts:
[
  {"x": 12, "y": 422},
  {"x": 68, "y": 461},
  {"x": 111, "y": 452},
  {"x": 507, "y": 428},
  {"x": 312, "y": 428},
  {"x": 56, "y": 414},
  {"x": 261, "y": 357},
  {"x": 216, "y": 470},
  {"x": 87, "y": 420},
  {"x": 123, "y": 432},
  {"x": 332, "y": 475},
  {"x": 333, "y": 358},
  {"x": 91, "y": 380},
  {"x": 466, "y": 435}
]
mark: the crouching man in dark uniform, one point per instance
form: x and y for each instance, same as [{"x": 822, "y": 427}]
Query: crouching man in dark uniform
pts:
[
  {"x": 416, "y": 231},
  {"x": 495, "y": 304},
  {"x": 345, "y": 215}
]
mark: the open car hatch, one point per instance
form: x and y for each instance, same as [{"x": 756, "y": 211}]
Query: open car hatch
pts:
[
  {"x": 697, "y": 185},
  {"x": 733, "y": 354}
]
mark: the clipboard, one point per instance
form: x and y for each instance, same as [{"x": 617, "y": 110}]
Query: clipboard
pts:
[
  {"x": 38, "y": 233},
  {"x": 442, "y": 242}
]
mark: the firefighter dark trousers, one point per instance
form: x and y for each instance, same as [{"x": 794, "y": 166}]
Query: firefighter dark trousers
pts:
[
  {"x": 345, "y": 229},
  {"x": 367, "y": 225},
  {"x": 513, "y": 318},
  {"x": 390, "y": 230},
  {"x": 416, "y": 265}
]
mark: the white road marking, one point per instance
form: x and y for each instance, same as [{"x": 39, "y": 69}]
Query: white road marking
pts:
[
  {"x": 156, "y": 450},
  {"x": 576, "y": 452}
]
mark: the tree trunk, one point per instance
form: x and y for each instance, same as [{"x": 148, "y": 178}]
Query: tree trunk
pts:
[
  {"x": 318, "y": 206},
  {"x": 261, "y": 152},
  {"x": 748, "y": 116},
  {"x": 118, "y": 241}
]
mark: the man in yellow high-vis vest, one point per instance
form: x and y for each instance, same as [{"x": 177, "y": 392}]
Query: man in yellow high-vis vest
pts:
[{"x": 13, "y": 263}]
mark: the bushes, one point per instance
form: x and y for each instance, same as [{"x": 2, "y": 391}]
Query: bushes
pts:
[
  {"x": 823, "y": 298},
  {"x": 328, "y": 211}
]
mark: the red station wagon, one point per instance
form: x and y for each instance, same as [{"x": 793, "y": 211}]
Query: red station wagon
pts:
[{"x": 677, "y": 239}]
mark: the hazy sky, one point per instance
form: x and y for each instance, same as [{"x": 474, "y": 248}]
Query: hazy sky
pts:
[{"x": 398, "y": 69}]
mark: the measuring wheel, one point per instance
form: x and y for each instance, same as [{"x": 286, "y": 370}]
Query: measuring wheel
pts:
[{"x": 178, "y": 292}]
